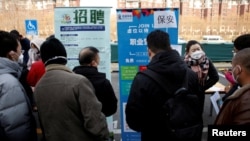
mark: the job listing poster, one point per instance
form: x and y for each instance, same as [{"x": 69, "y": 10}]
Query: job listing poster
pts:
[{"x": 80, "y": 27}]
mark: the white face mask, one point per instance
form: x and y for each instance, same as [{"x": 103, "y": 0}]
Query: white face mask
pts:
[
  {"x": 20, "y": 59},
  {"x": 235, "y": 78},
  {"x": 197, "y": 54}
]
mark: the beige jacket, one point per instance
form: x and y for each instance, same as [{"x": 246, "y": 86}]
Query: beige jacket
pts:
[{"x": 68, "y": 107}]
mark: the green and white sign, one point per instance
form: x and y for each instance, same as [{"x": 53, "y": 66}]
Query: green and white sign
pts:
[{"x": 79, "y": 27}]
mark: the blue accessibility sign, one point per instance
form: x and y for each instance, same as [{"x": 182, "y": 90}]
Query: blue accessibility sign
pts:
[{"x": 31, "y": 27}]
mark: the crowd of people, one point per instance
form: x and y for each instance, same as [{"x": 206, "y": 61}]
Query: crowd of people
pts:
[
  {"x": 34, "y": 78},
  {"x": 73, "y": 104},
  {"x": 144, "y": 112}
]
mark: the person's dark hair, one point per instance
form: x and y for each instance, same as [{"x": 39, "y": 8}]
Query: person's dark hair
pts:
[
  {"x": 16, "y": 33},
  {"x": 8, "y": 42},
  {"x": 190, "y": 43},
  {"x": 242, "y": 41},
  {"x": 52, "y": 51},
  {"x": 158, "y": 40},
  {"x": 87, "y": 55},
  {"x": 50, "y": 37}
]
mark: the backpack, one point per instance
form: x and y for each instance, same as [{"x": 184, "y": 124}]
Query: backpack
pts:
[{"x": 181, "y": 109}]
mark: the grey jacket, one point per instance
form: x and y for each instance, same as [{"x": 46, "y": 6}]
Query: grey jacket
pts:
[
  {"x": 16, "y": 119},
  {"x": 68, "y": 108}
]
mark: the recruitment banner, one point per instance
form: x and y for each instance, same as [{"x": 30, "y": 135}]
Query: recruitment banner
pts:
[
  {"x": 133, "y": 26},
  {"x": 79, "y": 27}
]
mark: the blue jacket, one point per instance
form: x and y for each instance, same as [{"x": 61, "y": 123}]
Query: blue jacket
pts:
[{"x": 16, "y": 118}]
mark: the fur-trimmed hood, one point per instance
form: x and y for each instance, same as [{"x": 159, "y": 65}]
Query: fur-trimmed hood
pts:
[{"x": 239, "y": 92}]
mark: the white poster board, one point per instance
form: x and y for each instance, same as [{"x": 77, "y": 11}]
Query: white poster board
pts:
[
  {"x": 79, "y": 27},
  {"x": 216, "y": 101}
]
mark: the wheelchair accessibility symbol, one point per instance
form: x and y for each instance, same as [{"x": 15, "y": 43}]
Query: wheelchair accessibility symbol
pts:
[{"x": 31, "y": 27}]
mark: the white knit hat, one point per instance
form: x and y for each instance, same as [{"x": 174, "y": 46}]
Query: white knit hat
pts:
[{"x": 37, "y": 42}]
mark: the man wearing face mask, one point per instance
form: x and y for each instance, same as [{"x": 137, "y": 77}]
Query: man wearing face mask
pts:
[
  {"x": 241, "y": 42},
  {"x": 197, "y": 60},
  {"x": 25, "y": 44},
  {"x": 236, "y": 108},
  {"x": 23, "y": 76},
  {"x": 17, "y": 121},
  {"x": 22, "y": 61}
]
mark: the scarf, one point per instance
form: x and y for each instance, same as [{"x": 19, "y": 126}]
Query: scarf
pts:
[{"x": 200, "y": 66}]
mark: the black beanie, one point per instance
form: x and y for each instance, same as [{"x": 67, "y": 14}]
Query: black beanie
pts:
[{"x": 53, "y": 52}]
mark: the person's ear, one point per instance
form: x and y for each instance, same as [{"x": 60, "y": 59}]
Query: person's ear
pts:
[
  {"x": 149, "y": 52},
  {"x": 93, "y": 63},
  {"x": 12, "y": 55},
  {"x": 240, "y": 69},
  {"x": 237, "y": 69}
]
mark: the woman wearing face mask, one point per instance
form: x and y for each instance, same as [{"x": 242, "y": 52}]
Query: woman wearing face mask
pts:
[
  {"x": 34, "y": 51},
  {"x": 35, "y": 64},
  {"x": 36, "y": 68},
  {"x": 197, "y": 60}
]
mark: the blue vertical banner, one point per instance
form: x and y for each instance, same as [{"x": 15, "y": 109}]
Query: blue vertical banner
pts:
[{"x": 133, "y": 26}]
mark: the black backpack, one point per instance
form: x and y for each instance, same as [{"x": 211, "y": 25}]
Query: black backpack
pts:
[{"x": 182, "y": 109}]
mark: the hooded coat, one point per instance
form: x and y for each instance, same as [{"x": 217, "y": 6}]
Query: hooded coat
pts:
[
  {"x": 144, "y": 106},
  {"x": 16, "y": 119}
]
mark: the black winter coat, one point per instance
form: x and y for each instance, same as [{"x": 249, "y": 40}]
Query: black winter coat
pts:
[
  {"x": 103, "y": 88},
  {"x": 26, "y": 86},
  {"x": 144, "y": 106},
  {"x": 25, "y": 43}
]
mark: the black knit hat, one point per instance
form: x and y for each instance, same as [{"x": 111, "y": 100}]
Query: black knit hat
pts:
[{"x": 53, "y": 52}]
